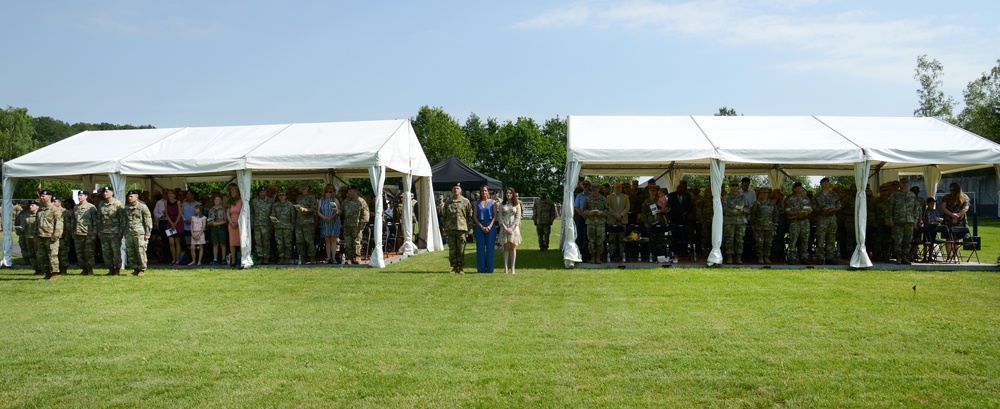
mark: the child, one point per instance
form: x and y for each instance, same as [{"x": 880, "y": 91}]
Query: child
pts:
[
  {"x": 218, "y": 227},
  {"x": 198, "y": 223}
]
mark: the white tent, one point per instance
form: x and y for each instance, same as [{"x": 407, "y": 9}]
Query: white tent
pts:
[
  {"x": 867, "y": 148},
  {"x": 327, "y": 151}
]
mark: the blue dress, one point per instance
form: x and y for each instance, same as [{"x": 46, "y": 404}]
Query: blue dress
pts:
[
  {"x": 329, "y": 228},
  {"x": 485, "y": 242}
]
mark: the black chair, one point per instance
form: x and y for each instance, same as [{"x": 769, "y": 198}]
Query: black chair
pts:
[
  {"x": 682, "y": 241},
  {"x": 658, "y": 239},
  {"x": 617, "y": 242},
  {"x": 973, "y": 244}
]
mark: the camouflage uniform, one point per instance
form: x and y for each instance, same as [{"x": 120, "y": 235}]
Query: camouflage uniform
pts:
[
  {"x": 704, "y": 208},
  {"x": 648, "y": 220},
  {"x": 26, "y": 236},
  {"x": 138, "y": 226},
  {"x": 305, "y": 226},
  {"x": 734, "y": 225},
  {"x": 847, "y": 217},
  {"x": 904, "y": 210},
  {"x": 110, "y": 222},
  {"x": 49, "y": 225},
  {"x": 543, "y": 216},
  {"x": 826, "y": 224},
  {"x": 84, "y": 229},
  {"x": 261, "y": 227},
  {"x": 65, "y": 241},
  {"x": 285, "y": 213},
  {"x": 883, "y": 236},
  {"x": 798, "y": 229},
  {"x": 456, "y": 218},
  {"x": 595, "y": 224},
  {"x": 355, "y": 219},
  {"x": 764, "y": 219}
]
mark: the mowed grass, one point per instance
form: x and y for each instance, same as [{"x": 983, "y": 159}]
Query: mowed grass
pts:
[{"x": 411, "y": 335}]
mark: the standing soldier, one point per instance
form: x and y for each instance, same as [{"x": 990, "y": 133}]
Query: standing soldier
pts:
[
  {"x": 827, "y": 206},
  {"x": 283, "y": 218},
  {"x": 30, "y": 229},
  {"x": 544, "y": 215},
  {"x": 111, "y": 218},
  {"x": 138, "y": 226},
  {"x": 22, "y": 234},
  {"x": 904, "y": 210},
  {"x": 85, "y": 232},
  {"x": 456, "y": 217},
  {"x": 595, "y": 211},
  {"x": 705, "y": 209},
  {"x": 355, "y": 220},
  {"x": 50, "y": 227},
  {"x": 305, "y": 224},
  {"x": 65, "y": 242},
  {"x": 734, "y": 222},
  {"x": 847, "y": 218},
  {"x": 764, "y": 219},
  {"x": 260, "y": 207},
  {"x": 797, "y": 208}
]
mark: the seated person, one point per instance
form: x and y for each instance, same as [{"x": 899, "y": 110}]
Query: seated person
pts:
[{"x": 930, "y": 225}]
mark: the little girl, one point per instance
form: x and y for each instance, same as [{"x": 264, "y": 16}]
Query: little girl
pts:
[{"x": 198, "y": 223}]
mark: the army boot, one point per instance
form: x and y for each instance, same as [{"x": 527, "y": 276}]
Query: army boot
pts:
[
  {"x": 767, "y": 260},
  {"x": 739, "y": 258},
  {"x": 729, "y": 259},
  {"x": 760, "y": 260}
]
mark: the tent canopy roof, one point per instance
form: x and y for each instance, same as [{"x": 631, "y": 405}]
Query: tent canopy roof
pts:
[
  {"x": 303, "y": 150},
  {"x": 452, "y": 170},
  {"x": 805, "y": 145}
]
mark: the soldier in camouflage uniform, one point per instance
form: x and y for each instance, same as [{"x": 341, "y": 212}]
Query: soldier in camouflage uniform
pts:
[
  {"x": 355, "y": 219},
  {"x": 284, "y": 212},
  {"x": 763, "y": 220},
  {"x": 904, "y": 209},
  {"x": 65, "y": 241},
  {"x": 85, "y": 233},
  {"x": 881, "y": 220},
  {"x": 49, "y": 224},
  {"x": 22, "y": 236},
  {"x": 797, "y": 209},
  {"x": 704, "y": 208},
  {"x": 734, "y": 222},
  {"x": 847, "y": 202},
  {"x": 595, "y": 211},
  {"x": 30, "y": 229},
  {"x": 138, "y": 226},
  {"x": 305, "y": 224},
  {"x": 260, "y": 208},
  {"x": 111, "y": 220},
  {"x": 456, "y": 218},
  {"x": 827, "y": 206},
  {"x": 543, "y": 216}
]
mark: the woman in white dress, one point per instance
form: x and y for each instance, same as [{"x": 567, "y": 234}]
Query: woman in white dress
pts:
[{"x": 510, "y": 229}]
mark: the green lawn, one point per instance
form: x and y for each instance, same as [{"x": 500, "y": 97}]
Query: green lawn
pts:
[{"x": 411, "y": 335}]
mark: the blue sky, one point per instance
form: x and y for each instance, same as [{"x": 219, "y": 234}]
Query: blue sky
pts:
[{"x": 203, "y": 63}]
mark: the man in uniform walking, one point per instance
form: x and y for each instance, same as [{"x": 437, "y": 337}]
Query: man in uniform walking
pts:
[
  {"x": 138, "y": 227},
  {"x": 355, "y": 219},
  {"x": 111, "y": 217},
  {"x": 260, "y": 208},
  {"x": 283, "y": 213},
  {"x": 456, "y": 217},
  {"x": 544, "y": 215},
  {"x": 49, "y": 224},
  {"x": 595, "y": 211},
  {"x": 827, "y": 206},
  {"x": 85, "y": 232},
  {"x": 305, "y": 224}
]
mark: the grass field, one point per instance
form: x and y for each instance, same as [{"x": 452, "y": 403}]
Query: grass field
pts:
[{"x": 411, "y": 335}]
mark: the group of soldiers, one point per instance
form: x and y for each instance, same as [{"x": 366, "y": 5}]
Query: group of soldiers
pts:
[
  {"x": 604, "y": 214},
  {"x": 293, "y": 225},
  {"x": 46, "y": 230}
]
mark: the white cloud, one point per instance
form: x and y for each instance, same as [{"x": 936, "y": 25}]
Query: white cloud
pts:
[{"x": 861, "y": 42}]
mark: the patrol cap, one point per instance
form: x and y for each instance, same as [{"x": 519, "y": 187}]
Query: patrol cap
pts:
[
  {"x": 543, "y": 190},
  {"x": 797, "y": 184},
  {"x": 734, "y": 183},
  {"x": 133, "y": 192},
  {"x": 46, "y": 192},
  {"x": 282, "y": 193}
]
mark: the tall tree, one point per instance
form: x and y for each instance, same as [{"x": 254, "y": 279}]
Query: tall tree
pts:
[
  {"x": 49, "y": 130},
  {"x": 16, "y": 133},
  {"x": 981, "y": 114},
  {"x": 440, "y": 135},
  {"x": 933, "y": 102},
  {"x": 726, "y": 111}
]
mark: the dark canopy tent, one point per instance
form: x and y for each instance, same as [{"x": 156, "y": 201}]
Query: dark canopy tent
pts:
[{"x": 450, "y": 171}]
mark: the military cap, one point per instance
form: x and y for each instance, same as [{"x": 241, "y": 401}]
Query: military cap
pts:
[
  {"x": 56, "y": 199},
  {"x": 103, "y": 188},
  {"x": 355, "y": 187},
  {"x": 543, "y": 190},
  {"x": 883, "y": 188},
  {"x": 765, "y": 190},
  {"x": 32, "y": 203},
  {"x": 82, "y": 192},
  {"x": 915, "y": 189},
  {"x": 46, "y": 192},
  {"x": 797, "y": 184},
  {"x": 262, "y": 189},
  {"x": 282, "y": 193},
  {"x": 133, "y": 192},
  {"x": 734, "y": 182}
]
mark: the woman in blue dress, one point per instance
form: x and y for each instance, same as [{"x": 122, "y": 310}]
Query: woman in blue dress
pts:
[
  {"x": 329, "y": 226},
  {"x": 486, "y": 232}
]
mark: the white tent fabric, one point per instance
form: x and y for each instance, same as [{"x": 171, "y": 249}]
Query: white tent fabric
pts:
[
  {"x": 774, "y": 146},
  {"x": 288, "y": 151}
]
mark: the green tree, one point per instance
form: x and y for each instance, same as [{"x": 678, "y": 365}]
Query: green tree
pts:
[
  {"x": 16, "y": 133},
  {"x": 440, "y": 135},
  {"x": 933, "y": 102},
  {"x": 981, "y": 114},
  {"x": 49, "y": 130},
  {"x": 726, "y": 111}
]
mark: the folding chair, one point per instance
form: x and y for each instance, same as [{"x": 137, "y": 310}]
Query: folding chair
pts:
[
  {"x": 658, "y": 240},
  {"x": 682, "y": 241},
  {"x": 610, "y": 230},
  {"x": 973, "y": 244}
]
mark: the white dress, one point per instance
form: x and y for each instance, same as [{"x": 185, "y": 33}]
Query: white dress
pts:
[{"x": 510, "y": 216}]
